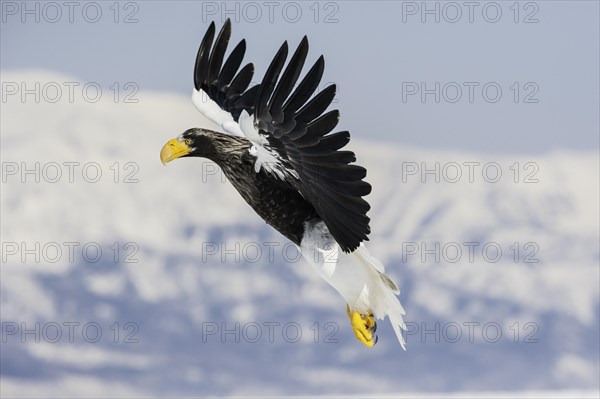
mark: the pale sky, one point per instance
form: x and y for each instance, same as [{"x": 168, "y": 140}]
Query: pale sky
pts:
[{"x": 508, "y": 77}]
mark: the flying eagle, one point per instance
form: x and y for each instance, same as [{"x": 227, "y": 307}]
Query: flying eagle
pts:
[{"x": 277, "y": 150}]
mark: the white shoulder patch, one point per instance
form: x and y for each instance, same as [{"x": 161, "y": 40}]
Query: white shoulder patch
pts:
[
  {"x": 269, "y": 161},
  {"x": 266, "y": 158},
  {"x": 216, "y": 114},
  {"x": 249, "y": 130}
]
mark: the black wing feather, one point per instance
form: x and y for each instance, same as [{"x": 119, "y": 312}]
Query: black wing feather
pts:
[
  {"x": 263, "y": 116},
  {"x": 232, "y": 65},
  {"x": 223, "y": 83},
  {"x": 288, "y": 80},
  {"x": 201, "y": 67},
  {"x": 306, "y": 88},
  {"x": 330, "y": 143},
  {"x": 218, "y": 53},
  {"x": 241, "y": 81},
  {"x": 317, "y": 105}
]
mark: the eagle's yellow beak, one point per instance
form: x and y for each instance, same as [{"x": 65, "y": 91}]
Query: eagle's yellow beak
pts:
[{"x": 172, "y": 150}]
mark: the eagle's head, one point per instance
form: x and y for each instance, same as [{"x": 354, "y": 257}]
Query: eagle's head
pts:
[{"x": 191, "y": 143}]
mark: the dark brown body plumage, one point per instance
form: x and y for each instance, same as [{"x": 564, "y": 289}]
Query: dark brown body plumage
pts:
[{"x": 274, "y": 200}]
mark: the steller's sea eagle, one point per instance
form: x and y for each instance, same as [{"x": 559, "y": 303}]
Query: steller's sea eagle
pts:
[{"x": 278, "y": 152}]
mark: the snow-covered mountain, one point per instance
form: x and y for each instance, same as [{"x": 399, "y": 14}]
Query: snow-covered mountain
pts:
[{"x": 140, "y": 279}]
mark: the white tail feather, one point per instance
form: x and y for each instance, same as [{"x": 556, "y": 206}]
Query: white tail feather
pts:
[
  {"x": 383, "y": 294},
  {"x": 358, "y": 277}
]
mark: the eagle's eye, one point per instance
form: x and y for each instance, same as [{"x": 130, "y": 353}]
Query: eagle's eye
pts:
[{"x": 188, "y": 141}]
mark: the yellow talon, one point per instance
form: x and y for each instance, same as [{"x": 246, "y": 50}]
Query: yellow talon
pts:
[{"x": 364, "y": 327}]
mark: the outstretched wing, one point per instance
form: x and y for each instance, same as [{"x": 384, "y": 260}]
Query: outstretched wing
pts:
[
  {"x": 290, "y": 130},
  {"x": 297, "y": 129},
  {"x": 221, "y": 90}
]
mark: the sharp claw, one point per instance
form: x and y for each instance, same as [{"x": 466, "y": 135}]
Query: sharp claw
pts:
[{"x": 364, "y": 326}]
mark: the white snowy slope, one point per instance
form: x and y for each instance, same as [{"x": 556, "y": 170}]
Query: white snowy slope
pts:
[{"x": 193, "y": 257}]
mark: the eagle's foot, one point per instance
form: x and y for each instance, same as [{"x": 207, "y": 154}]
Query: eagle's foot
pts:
[{"x": 364, "y": 326}]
